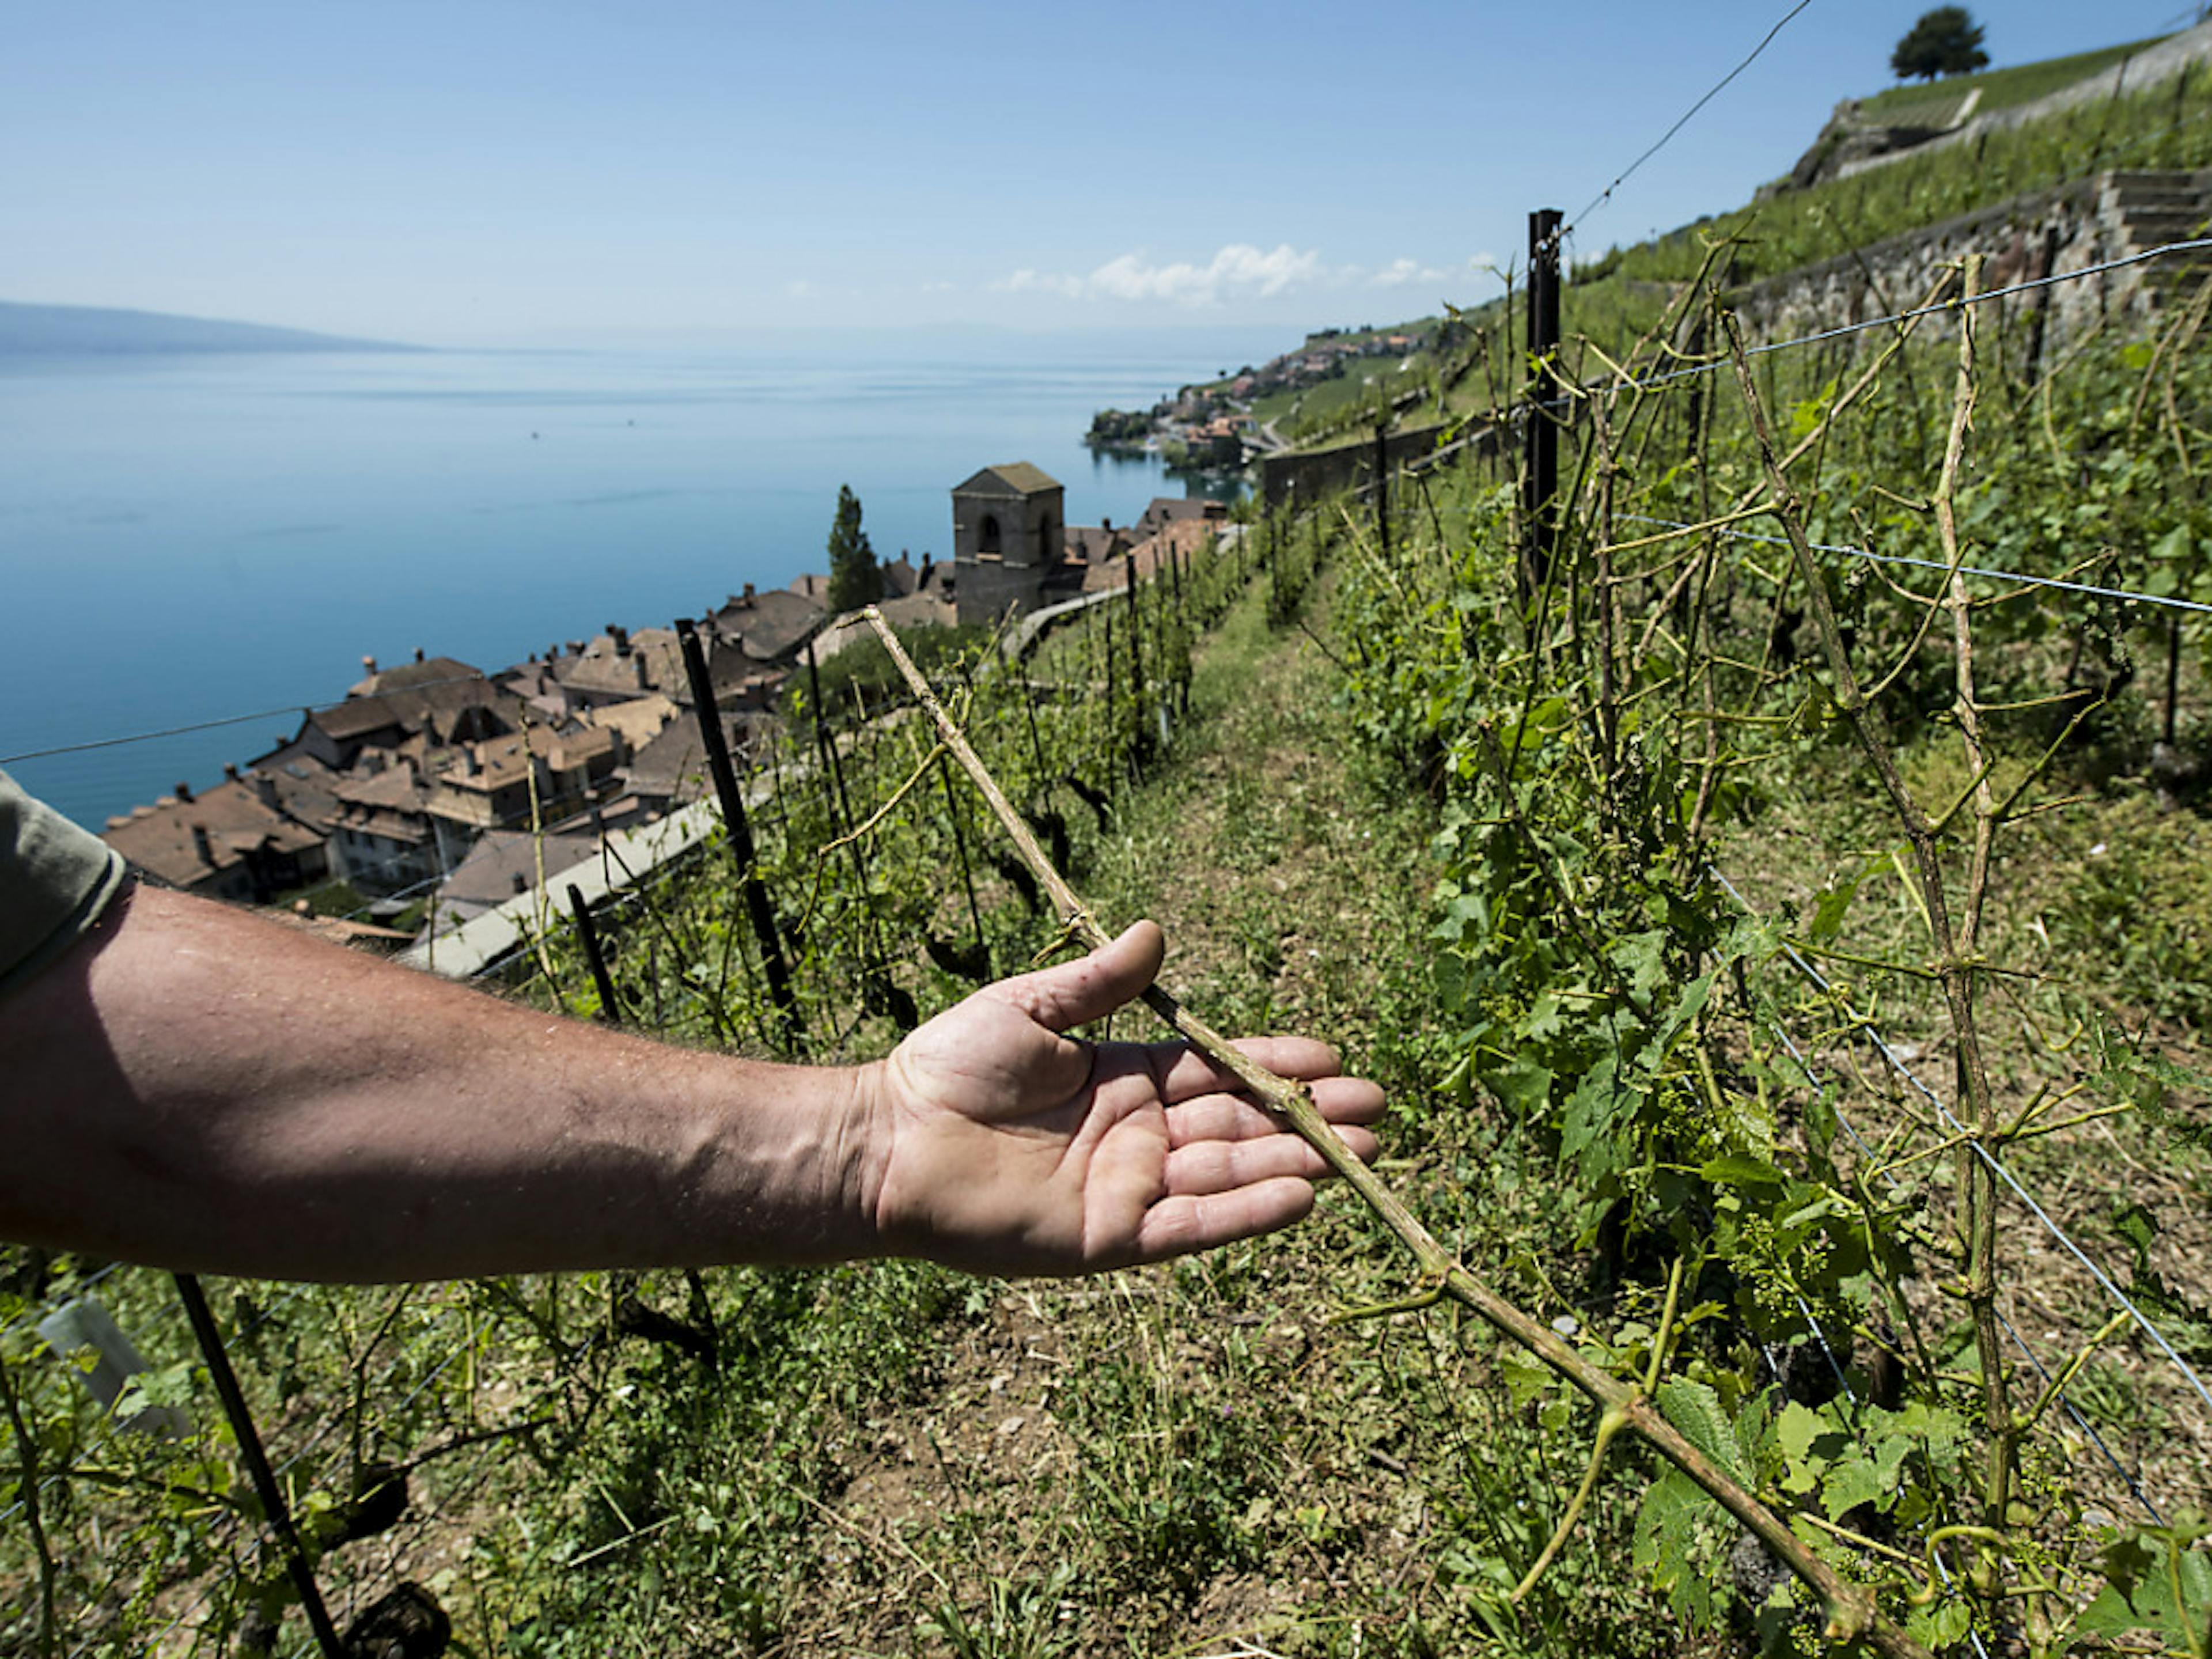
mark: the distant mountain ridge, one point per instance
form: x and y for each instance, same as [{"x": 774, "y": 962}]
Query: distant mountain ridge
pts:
[{"x": 83, "y": 330}]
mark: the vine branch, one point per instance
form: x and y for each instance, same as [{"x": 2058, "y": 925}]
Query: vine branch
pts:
[{"x": 1852, "y": 1612}]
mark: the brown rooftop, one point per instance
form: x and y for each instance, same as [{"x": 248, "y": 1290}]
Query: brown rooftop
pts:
[
  {"x": 1009, "y": 478},
  {"x": 184, "y": 842}
]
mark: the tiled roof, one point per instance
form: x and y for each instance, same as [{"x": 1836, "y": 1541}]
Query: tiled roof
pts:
[
  {"x": 1094, "y": 543},
  {"x": 673, "y": 766},
  {"x": 486, "y": 877},
  {"x": 304, "y": 789},
  {"x": 1172, "y": 509},
  {"x": 1010, "y": 478},
  {"x": 499, "y": 761},
  {"x": 414, "y": 698},
  {"x": 768, "y": 627},
  {"x": 433, "y": 671},
  {"x": 900, "y": 577},
  {"x": 356, "y": 717},
  {"x": 639, "y": 719},
  {"x": 159, "y": 839},
  {"x": 920, "y": 610},
  {"x": 393, "y": 787}
]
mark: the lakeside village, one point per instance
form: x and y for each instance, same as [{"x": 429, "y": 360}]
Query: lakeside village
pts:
[
  {"x": 436, "y": 792},
  {"x": 1224, "y": 425}
]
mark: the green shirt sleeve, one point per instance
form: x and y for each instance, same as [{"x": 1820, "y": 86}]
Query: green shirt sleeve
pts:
[{"x": 55, "y": 880}]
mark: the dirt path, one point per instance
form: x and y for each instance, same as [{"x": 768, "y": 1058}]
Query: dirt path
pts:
[{"x": 1086, "y": 1470}]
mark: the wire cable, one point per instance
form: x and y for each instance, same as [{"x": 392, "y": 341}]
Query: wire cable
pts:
[
  {"x": 1683, "y": 120},
  {"x": 1842, "y": 1118},
  {"x": 1997, "y": 1167},
  {"x": 2126, "y": 595},
  {"x": 1844, "y": 330},
  {"x": 303, "y": 708}
]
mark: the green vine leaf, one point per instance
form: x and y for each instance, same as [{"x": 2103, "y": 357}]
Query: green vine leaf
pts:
[
  {"x": 2144, "y": 1569},
  {"x": 1695, "y": 1409},
  {"x": 1852, "y": 1482},
  {"x": 1667, "y": 1528},
  {"x": 1942, "y": 1626}
]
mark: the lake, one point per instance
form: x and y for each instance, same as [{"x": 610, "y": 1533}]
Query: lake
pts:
[{"x": 188, "y": 538}]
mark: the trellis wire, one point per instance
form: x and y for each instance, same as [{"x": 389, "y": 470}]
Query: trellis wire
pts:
[
  {"x": 331, "y": 1424},
  {"x": 1842, "y": 1118},
  {"x": 263, "y": 1315},
  {"x": 1460, "y": 445},
  {"x": 90, "y": 1279},
  {"x": 1844, "y": 330},
  {"x": 2080, "y": 1421},
  {"x": 308, "y": 707},
  {"x": 1683, "y": 120},
  {"x": 1850, "y": 1393},
  {"x": 2126, "y": 595},
  {"x": 1994, "y": 1165}
]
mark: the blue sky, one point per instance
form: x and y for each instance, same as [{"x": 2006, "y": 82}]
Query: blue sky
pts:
[{"x": 497, "y": 173}]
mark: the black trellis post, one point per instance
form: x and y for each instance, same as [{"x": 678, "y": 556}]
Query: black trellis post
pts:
[
  {"x": 1037, "y": 741},
  {"x": 1143, "y": 743},
  {"x": 741, "y": 836},
  {"x": 1113, "y": 711},
  {"x": 587, "y": 935},
  {"x": 1383, "y": 490},
  {"x": 833, "y": 769},
  {"x": 1184, "y": 629},
  {"x": 1539, "y": 482},
  {"x": 273, "y": 1506},
  {"x": 966, "y": 874}
]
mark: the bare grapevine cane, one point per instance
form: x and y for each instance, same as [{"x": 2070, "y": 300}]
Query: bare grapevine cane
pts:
[{"x": 1852, "y": 1613}]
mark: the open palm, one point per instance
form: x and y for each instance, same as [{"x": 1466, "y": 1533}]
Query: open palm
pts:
[{"x": 1001, "y": 1145}]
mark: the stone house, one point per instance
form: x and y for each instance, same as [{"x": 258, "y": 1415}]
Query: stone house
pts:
[
  {"x": 1096, "y": 543},
  {"x": 440, "y": 700},
  {"x": 769, "y": 627},
  {"x": 491, "y": 785},
  {"x": 386, "y": 840},
  {"x": 672, "y": 769},
  {"x": 619, "y": 667},
  {"x": 237, "y": 841},
  {"x": 1165, "y": 510},
  {"x": 1009, "y": 542},
  {"x": 503, "y": 864}
]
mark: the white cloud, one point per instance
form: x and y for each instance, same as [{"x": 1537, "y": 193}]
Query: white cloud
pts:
[
  {"x": 1033, "y": 281},
  {"x": 1237, "y": 271},
  {"x": 1399, "y": 273}
]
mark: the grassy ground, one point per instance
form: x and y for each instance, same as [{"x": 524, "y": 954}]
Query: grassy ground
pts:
[
  {"x": 889, "y": 1459},
  {"x": 2003, "y": 88},
  {"x": 1194, "y": 1459},
  {"x": 1199, "y": 1459}
]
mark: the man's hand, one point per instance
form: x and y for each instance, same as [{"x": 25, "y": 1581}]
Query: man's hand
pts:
[
  {"x": 200, "y": 1088},
  {"x": 998, "y": 1144}
]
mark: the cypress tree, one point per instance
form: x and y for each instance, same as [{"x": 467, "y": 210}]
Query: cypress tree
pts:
[{"x": 856, "y": 578}]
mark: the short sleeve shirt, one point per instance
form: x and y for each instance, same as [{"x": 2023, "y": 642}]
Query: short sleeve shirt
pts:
[{"x": 55, "y": 881}]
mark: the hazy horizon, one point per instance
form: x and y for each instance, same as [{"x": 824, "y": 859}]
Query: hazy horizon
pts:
[
  {"x": 496, "y": 177},
  {"x": 760, "y": 337}
]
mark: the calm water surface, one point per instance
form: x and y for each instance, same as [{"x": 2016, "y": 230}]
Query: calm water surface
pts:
[{"x": 186, "y": 539}]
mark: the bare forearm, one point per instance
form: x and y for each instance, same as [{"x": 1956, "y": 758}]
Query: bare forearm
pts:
[{"x": 207, "y": 1089}]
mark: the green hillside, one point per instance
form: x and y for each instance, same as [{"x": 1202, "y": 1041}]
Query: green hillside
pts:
[
  {"x": 1613, "y": 298},
  {"x": 1779, "y": 908},
  {"x": 2003, "y": 88}
]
